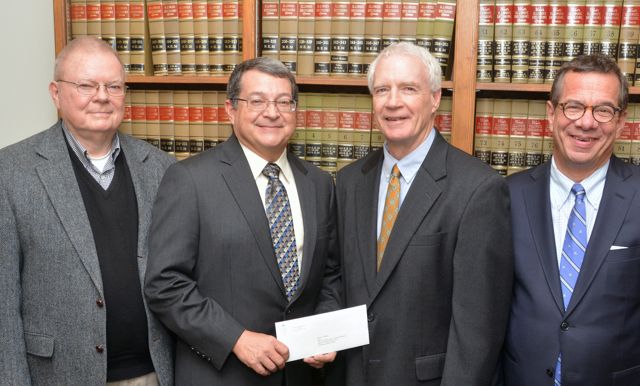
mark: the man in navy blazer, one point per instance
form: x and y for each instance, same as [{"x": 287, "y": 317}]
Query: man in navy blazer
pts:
[{"x": 575, "y": 315}]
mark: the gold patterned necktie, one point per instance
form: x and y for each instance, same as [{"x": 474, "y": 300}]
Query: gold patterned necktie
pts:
[
  {"x": 391, "y": 207},
  {"x": 281, "y": 229}
]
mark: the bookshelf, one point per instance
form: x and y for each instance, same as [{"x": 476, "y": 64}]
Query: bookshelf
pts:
[{"x": 463, "y": 85}]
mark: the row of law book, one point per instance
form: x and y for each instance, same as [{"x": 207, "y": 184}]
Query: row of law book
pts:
[
  {"x": 332, "y": 130},
  {"x": 513, "y": 134},
  {"x": 324, "y": 37},
  {"x": 165, "y": 37},
  {"x": 527, "y": 41}
]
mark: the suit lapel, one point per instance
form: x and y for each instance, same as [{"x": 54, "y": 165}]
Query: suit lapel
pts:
[
  {"x": 243, "y": 188},
  {"x": 307, "y": 197},
  {"x": 59, "y": 180},
  {"x": 614, "y": 205},
  {"x": 538, "y": 208},
  {"x": 366, "y": 212},
  {"x": 424, "y": 192}
]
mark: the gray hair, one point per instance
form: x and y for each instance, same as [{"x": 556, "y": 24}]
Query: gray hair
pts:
[
  {"x": 265, "y": 65},
  {"x": 89, "y": 44},
  {"x": 431, "y": 64},
  {"x": 597, "y": 63}
]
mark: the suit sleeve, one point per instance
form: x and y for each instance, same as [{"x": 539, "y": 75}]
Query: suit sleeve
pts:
[
  {"x": 13, "y": 356},
  {"x": 171, "y": 290},
  {"x": 482, "y": 286},
  {"x": 331, "y": 290}
]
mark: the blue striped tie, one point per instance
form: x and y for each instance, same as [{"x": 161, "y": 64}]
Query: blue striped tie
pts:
[
  {"x": 281, "y": 229},
  {"x": 573, "y": 249}
]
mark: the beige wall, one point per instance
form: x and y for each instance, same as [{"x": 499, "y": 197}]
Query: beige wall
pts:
[{"x": 26, "y": 68}]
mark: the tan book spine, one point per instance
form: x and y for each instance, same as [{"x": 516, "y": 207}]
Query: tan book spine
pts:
[
  {"x": 409, "y": 21},
  {"x": 232, "y": 43},
  {"x": 610, "y": 33},
  {"x": 634, "y": 111},
  {"x": 270, "y": 29},
  {"x": 224, "y": 124},
  {"x": 108, "y": 22},
  {"x": 629, "y": 33},
  {"x": 139, "y": 38},
  {"x": 484, "y": 69},
  {"x": 216, "y": 37},
  {"x": 329, "y": 135},
  {"x": 521, "y": 46},
  {"x": 138, "y": 114},
  {"x": 306, "y": 28},
  {"x": 123, "y": 43},
  {"x": 500, "y": 135},
  {"x": 187, "y": 37},
  {"x": 181, "y": 123},
  {"x": 622, "y": 145},
  {"x": 125, "y": 126},
  {"x": 555, "y": 38},
  {"x": 94, "y": 26},
  {"x": 157, "y": 37},
  {"x": 547, "y": 142},
  {"x": 210, "y": 119},
  {"x": 196, "y": 122},
  {"x": 503, "y": 30},
  {"x": 594, "y": 19},
  {"x": 372, "y": 32},
  {"x": 537, "y": 41},
  {"x": 391, "y": 22},
  {"x": 339, "y": 38},
  {"x": 362, "y": 132},
  {"x": 444, "y": 118},
  {"x": 443, "y": 35},
  {"x": 355, "y": 57},
  {"x": 536, "y": 121},
  {"x": 483, "y": 124},
  {"x": 574, "y": 30},
  {"x": 288, "y": 26},
  {"x": 172, "y": 36},
  {"x": 313, "y": 140},
  {"x": 201, "y": 37},
  {"x": 346, "y": 129},
  {"x": 426, "y": 23},
  {"x": 518, "y": 136},
  {"x": 152, "y": 103},
  {"x": 167, "y": 135},
  {"x": 377, "y": 139},
  {"x": 322, "y": 38},
  {"x": 297, "y": 142},
  {"x": 78, "y": 17}
]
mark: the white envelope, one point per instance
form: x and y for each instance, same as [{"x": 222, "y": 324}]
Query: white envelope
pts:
[{"x": 324, "y": 333}]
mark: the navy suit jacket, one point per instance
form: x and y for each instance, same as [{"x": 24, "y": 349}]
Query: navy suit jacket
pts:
[{"x": 599, "y": 334}]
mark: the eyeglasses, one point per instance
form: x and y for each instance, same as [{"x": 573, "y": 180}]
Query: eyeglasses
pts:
[
  {"x": 601, "y": 113},
  {"x": 284, "y": 105},
  {"x": 91, "y": 89}
]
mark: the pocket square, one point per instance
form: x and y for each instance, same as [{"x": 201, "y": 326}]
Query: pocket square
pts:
[{"x": 617, "y": 247}]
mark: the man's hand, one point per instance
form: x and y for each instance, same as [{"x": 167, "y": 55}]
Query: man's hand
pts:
[
  {"x": 318, "y": 361},
  {"x": 262, "y": 353}
]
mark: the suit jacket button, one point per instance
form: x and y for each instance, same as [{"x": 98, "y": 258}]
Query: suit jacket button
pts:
[
  {"x": 100, "y": 303},
  {"x": 550, "y": 373},
  {"x": 100, "y": 348},
  {"x": 371, "y": 317},
  {"x": 564, "y": 326}
]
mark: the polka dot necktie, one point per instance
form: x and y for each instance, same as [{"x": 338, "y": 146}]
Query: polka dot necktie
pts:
[{"x": 391, "y": 207}]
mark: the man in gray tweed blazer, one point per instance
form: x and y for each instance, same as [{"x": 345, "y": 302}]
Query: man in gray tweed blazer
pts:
[{"x": 75, "y": 205}]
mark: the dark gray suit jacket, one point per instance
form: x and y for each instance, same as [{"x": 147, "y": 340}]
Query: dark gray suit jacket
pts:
[
  {"x": 599, "y": 334},
  {"x": 438, "y": 307},
  {"x": 49, "y": 272},
  {"x": 213, "y": 272}
]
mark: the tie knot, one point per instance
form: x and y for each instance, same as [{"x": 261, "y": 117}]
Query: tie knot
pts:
[
  {"x": 271, "y": 171},
  {"x": 579, "y": 191},
  {"x": 395, "y": 172}
]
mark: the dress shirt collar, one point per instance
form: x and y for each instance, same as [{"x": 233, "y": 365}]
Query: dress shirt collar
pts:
[
  {"x": 257, "y": 164},
  {"x": 78, "y": 149},
  {"x": 561, "y": 186},
  {"x": 410, "y": 164}
]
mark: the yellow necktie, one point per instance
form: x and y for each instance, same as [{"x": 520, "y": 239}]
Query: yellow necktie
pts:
[{"x": 391, "y": 207}]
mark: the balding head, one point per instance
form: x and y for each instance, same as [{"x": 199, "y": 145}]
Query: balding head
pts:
[{"x": 85, "y": 45}]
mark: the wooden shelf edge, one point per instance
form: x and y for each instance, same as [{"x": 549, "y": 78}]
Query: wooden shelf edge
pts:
[{"x": 517, "y": 87}]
